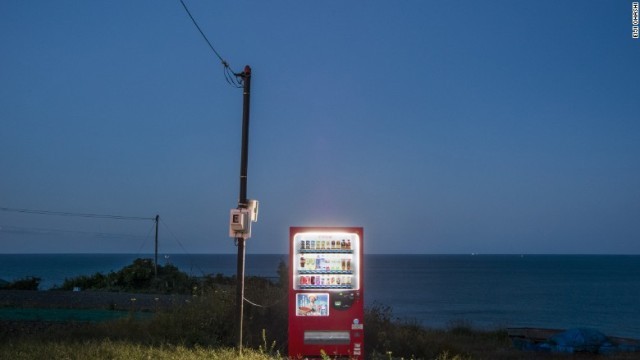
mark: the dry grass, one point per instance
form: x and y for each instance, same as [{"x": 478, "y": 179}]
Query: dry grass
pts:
[{"x": 116, "y": 350}]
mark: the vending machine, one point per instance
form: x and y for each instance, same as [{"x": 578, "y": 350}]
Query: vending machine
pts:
[{"x": 326, "y": 297}]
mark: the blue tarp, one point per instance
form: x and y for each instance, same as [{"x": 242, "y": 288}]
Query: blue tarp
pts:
[{"x": 577, "y": 340}]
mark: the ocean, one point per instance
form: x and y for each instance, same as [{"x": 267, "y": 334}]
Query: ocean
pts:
[{"x": 484, "y": 291}]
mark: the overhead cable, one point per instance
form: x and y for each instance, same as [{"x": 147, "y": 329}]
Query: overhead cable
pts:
[
  {"x": 191, "y": 260},
  {"x": 62, "y": 213},
  {"x": 46, "y": 231},
  {"x": 233, "y": 78}
]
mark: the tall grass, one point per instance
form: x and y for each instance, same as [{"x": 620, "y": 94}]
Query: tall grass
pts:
[
  {"x": 203, "y": 328},
  {"x": 388, "y": 337},
  {"x": 118, "y": 350}
]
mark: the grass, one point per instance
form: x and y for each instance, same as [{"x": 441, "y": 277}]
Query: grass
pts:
[
  {"x": 121, "y": 349},
  {"x": 116, "y": 350},
  {"x": 203, "y": 329}
]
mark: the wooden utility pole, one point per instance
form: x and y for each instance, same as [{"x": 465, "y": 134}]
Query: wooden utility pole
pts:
[
  {"x": 155, "y": 262},
  {"x": 242, "y": 201}
]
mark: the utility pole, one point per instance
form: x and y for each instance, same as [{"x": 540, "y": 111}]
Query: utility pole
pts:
[
  {"x": 242, "y": 201},
  {"x": 155, "y": 263}
]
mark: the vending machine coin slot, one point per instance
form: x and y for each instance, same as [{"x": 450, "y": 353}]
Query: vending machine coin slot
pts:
[{"x": 342, "y": 300}]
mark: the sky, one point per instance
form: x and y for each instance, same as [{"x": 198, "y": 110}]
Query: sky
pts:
[{"x": 440, "y": 127}]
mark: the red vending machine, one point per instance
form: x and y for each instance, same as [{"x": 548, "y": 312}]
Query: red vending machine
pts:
[{"x": 326, "y": 302}]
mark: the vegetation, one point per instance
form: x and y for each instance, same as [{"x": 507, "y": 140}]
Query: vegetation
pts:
[
  {"x": 27, "y": 283},
  {"x": 117, "y": 350},
  {"x": 140, "y": 276},
  {"x": 203, "y": 328}
]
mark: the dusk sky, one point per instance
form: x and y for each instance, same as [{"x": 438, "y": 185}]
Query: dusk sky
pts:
[{"x": 503, "y": 127}]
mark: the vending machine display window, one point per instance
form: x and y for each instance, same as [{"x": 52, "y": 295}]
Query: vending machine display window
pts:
[{"x": 326, "y": 261}]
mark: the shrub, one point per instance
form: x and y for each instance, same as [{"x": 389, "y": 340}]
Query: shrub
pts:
[
  {"x": 138, "y": 277},
  {"x": 27, "y": 283}
]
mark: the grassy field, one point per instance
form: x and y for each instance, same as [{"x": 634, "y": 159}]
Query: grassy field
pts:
[
  {"x": 117, "y": 350},
  {"x": 200, "y": 326},
  {"x": 202, "y": 329}
]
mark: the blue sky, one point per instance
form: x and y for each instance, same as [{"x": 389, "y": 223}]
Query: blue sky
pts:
[{"x": 440, "y": 127}]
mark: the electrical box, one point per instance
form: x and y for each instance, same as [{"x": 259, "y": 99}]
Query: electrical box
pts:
[
  {"x": 253, "y": 209},
  {"x": 240, "y": 223},
  {"x": 240, "y": 220}
]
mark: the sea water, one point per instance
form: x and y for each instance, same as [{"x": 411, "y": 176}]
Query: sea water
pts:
[
  {"x": 497, "y": 291},
  {"x": 484, "y": 291}
]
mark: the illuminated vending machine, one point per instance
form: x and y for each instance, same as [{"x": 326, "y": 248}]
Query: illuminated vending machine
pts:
[{"x": 326, "y": 303}]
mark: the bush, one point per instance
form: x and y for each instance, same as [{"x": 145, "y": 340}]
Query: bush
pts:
[
  {"x": 209, "y": 316},
  {"x": 138, "y": 277},
  {"x": 204, "y": 321},
  {"x": 27, "y": 283}
]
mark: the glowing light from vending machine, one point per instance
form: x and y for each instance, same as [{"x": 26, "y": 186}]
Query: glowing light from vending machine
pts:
[
  {"x": 355, "y": 239},
  {"x": 329, "y": 254}
]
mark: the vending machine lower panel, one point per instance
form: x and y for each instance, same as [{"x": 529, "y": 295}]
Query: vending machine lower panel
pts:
[
  {"x": 334, "y": 343},
  {"x": 327, "y": 338}
]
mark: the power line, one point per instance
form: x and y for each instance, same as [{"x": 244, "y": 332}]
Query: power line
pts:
[
  {"x": 233, "y": 78},
  {"x": 203, "y": 35},
  {"x": 50, "y": 231},
  {"x": 86, "y": 215},
  {"x": 181, "y": 246}
]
